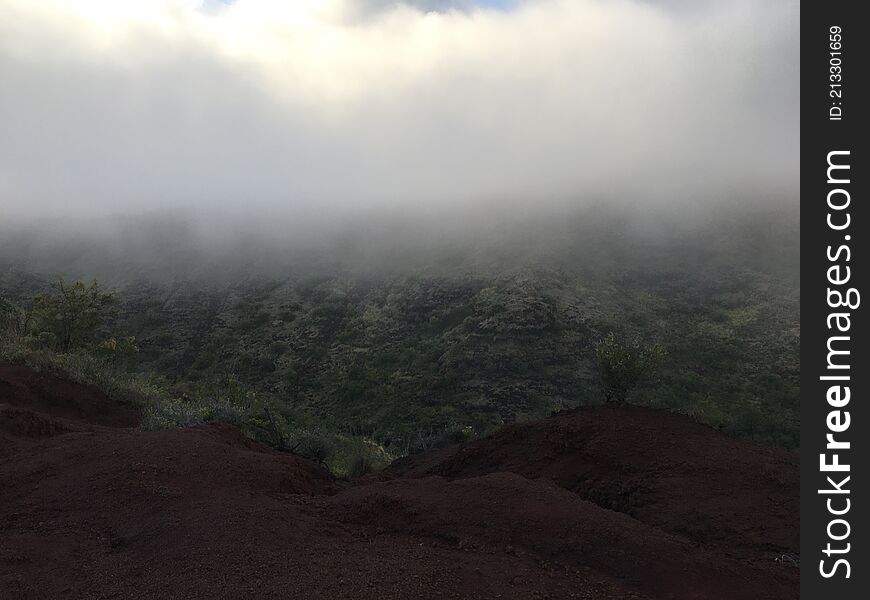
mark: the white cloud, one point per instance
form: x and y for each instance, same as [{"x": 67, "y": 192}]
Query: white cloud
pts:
[{"x": 312, "y": 105}]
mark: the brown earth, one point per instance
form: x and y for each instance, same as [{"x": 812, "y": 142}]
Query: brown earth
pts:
[
  {"x": 661, "y": 468},
  {"x": 600, "y": 504}
]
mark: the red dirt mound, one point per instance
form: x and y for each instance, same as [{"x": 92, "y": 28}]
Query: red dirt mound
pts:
[
  {"x": 89, "y": 511},
  {"x": 661, "y": 468},
  {"x": 23, "y": 423},
  {"x": 51, "y": 395},
  {"x": 505, "y": 513}
]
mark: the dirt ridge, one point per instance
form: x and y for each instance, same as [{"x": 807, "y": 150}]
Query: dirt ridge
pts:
[{"x": 91, "y": 507}]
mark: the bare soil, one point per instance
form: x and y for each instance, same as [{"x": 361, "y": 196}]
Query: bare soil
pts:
[{"x": 599, "y": 504}]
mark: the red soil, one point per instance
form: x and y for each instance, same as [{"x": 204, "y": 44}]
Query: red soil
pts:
[
  {"x": 45, "y": 393},
  {"x": 661, "y": 468},
  {"x": 92, "y": 509}
]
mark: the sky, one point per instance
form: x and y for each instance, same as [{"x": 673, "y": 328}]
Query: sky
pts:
[{"x": 335, "y": 107}]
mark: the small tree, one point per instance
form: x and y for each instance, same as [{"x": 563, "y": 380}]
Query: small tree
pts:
[
  {"x": 624, "y": 367},
  {"x": 14, "y": 321},
  {"x": 271, "y": 424},
  {"x": 70, "y": 316}
]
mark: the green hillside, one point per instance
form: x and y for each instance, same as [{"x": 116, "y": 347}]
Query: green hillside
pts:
[{"x": 405, "y": 342}]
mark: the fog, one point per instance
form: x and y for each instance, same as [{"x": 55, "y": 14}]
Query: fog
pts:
[{"x": 336, "y": 111}]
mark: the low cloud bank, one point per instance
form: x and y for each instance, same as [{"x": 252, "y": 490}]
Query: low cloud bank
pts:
[{"x": 331, "y": 108}]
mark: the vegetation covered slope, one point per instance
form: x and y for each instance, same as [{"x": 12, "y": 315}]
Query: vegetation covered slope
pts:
[{"x": 406, "y": 340}]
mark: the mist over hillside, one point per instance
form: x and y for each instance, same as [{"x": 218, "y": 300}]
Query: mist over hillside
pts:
[
  {"x": 399, "y": 299},
  {"x": 400, "y": 329},
  {"x": 179, "y": 245}
]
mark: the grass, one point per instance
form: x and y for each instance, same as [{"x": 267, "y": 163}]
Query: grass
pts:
[
  {"x": 162, "y": 407},
  {"x": 123, "y": 387}
]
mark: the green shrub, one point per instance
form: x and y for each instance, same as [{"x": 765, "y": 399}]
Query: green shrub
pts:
[
  {"x": 358, "y": 456},
  {"x": 170, "y": 413},
  {"x": 624, "y": 367},
  {"x": 312, "y": 445},
  {"x": 70, "y": 317}
]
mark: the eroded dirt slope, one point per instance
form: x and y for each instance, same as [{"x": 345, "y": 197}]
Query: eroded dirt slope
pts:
[
  {"x": 661, "y": 468},
  {"x": 90, "y": 507}
]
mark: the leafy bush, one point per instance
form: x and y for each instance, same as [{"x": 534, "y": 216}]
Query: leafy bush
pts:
[
  {"x": 170, "y": 413},
  {"x": 70, "y": 317},
  {"x": 359, "y": 456},
  {"x": 623, "y": 367},
  {"x": 313, "y": 445}
]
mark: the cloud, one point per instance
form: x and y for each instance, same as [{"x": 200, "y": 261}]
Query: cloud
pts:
[{"x": 318, "y": 106}]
